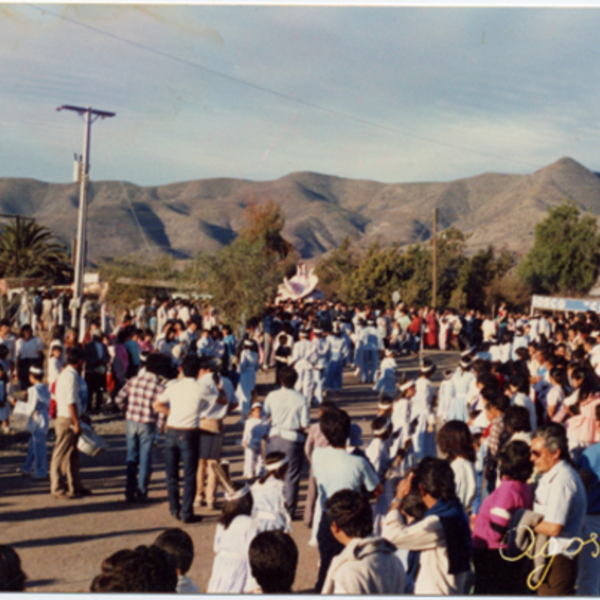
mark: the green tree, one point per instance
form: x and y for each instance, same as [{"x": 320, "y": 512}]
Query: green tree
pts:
[
  {"x": 476, "y": 276},
  {"x": 565, "y": 254},
  {"x": 41, "y": 254},
  {"x": 335, "y": 271},
  {"x": 378, "y": 275},
  {"x": 243, "y": 276}
]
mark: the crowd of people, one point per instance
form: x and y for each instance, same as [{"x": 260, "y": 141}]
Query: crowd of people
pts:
[{"x": 489, "y": 483}]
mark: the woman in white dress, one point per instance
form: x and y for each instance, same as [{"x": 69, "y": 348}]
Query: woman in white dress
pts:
[
  {"x": 455, "y": 441},
  {"x": 269, "y": 510},
  {"x": 236, "y": 529},
  {"x": 422, "y": 416},
  {"x": 249, "y": 364}
]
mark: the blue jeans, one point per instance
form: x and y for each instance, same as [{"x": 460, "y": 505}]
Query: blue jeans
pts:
[
  {"x": 140, "y": 437},
  {"x": 329, "y": 548},
  {"x": 295, "y": 454},
  {"x": 37, "y": 457},
  {"x": 182, "y": 445}
]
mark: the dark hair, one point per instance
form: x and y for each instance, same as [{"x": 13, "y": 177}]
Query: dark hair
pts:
[
  {"x": 514, "y": 461},
  {"x": 494, "y": 398},
  {"x": 179, "y": 545},
  {"x": 454, "y": 439},
  {"x": 273, "y": 557},
  {"x": 335, "y": 426},
  {"x": 522, "y": 353},
  {"x": 232, "y": 508},
  {"x": 487, "y": 380},
  {"x": 145, "y": 569},
  {"x": 25, "y": 328},
  {"x": 12, "y": 578},
  {"x": 598, "y": 412},
  {"x": 378, "y": 423},
  {"x": 271, "y": 458},
  {"x": 288, "y": 377},
  {"x": 412, "y": 504},
  {"x": 516, "y": 418},
  {"x": 4, "y": 322},
  {"x": 588, "y": 382},
  {"x": 351, "y": 512},
  {"x": 74, "y": 355},
  {"x": 205, "y": 363},
  {"x": 190, "y": 365},
  {"x": 520, "y": 382},
  {"x": 113, "y": 562},
  {"x": 436, "y": 478}
]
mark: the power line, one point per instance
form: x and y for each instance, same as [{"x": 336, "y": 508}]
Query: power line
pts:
[{"x": 275, "y": 93}]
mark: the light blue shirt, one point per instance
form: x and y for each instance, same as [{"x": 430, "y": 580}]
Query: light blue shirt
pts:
[
  {"x": 335, "y": 470},
  {"x": 289, "y": 413}
]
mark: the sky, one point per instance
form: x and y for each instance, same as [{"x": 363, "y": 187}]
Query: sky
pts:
[{"x": 393, "y": 94}]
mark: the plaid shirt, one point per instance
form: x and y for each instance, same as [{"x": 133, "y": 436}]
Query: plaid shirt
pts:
[
  {"x": 138, "y": 395},
  {"x": 493, "y": 438}
]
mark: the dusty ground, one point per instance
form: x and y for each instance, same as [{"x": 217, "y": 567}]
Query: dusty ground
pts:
[{"x": 62, "y": 543}]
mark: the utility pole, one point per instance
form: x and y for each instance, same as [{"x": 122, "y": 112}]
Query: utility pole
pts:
[
  {"x": 434, "y": 269},
  {"x": 90, "y": 115}
]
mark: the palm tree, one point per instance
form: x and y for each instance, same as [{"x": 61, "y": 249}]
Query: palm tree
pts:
[{"x": 40, "y": 254}]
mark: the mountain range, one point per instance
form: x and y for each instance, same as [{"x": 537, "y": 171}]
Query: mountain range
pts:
[{"x": 320, "y": 210}]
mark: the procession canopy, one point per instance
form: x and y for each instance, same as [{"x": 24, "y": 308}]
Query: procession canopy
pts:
[{"x": 302, "y": 286}]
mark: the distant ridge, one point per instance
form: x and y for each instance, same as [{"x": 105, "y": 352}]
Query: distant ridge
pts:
[{"x": 321, "y": 210}]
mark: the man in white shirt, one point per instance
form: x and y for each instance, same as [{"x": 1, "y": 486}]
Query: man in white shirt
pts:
[
  {"x": 65, "y": 457},
  {"x": 183, "y": 401},
  {"x": 561, "y": 498},
  {"x": 289, "y": 413}
]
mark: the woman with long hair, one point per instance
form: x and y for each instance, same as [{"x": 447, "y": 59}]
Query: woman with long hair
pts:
[{"x": 455, "y": 441}]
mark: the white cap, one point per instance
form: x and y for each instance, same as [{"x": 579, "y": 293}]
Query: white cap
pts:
[
  {"x": 237, "y": 494},
  {"x": 407, "y": 385},
  {"x": 383, "y": 429},
  {"x": 277, "y": 465}
]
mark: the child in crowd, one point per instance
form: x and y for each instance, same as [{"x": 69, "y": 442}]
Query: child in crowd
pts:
[
  {"x": 235, "y": 531},
  {"x": 385, "y": 406},
  {"x": 386, "y": 381},
  {"x": 55, "y": 363},
  {"x": 378, "y": 450},
  {"x": 180, "y": 546},
  {"x": 256, "y": 429},
  {"x": 378, "y": 454},
  {"x": 37, "y": 410},
  {"x": 5, "y": 405},
  {"x": 446, "y": 396},
  {"x": 355, "y": 441},
  {"x": 282, "y": 355},
  {"x": 248, "y": 366},
  {"x": 269, "y": 508},
  {"x": 273, "y": 557}
]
